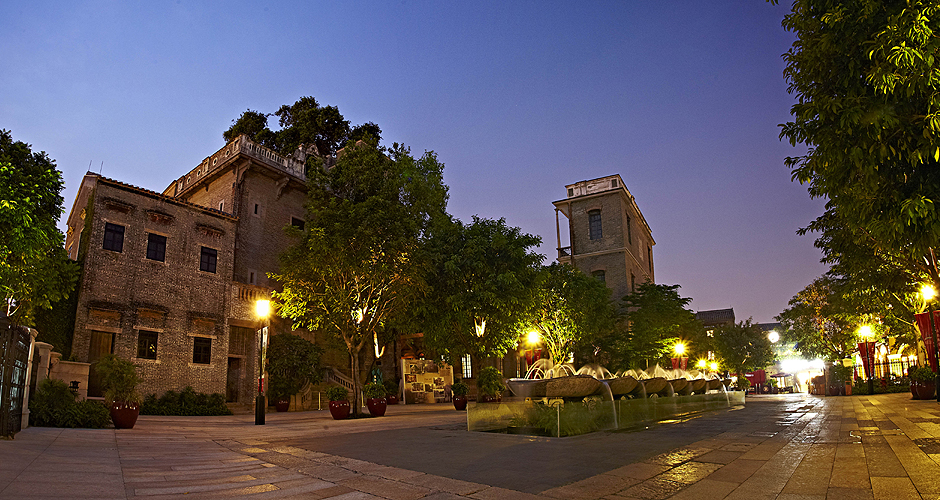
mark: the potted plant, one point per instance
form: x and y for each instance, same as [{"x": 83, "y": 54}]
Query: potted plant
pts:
[
  {"x": 119, "y": 381},
  {"x": 459, "y": 391},
  {"x": 375, "y": 398},
  {"x": 292, "y": 361},
  {"x": 339, "y": 402},
  {"x": 391, "y": 392},
  {"x": 923, "y": 381},
  {"x": 489, "y": 385},
  {"x": 743, "y": 383},
  {"x": 841, "y": 378}
]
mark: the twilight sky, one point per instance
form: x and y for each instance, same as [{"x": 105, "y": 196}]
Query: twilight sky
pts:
[{"x": 518, "y": 99}]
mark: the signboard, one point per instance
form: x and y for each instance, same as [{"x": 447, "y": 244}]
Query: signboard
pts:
[{"x": 425, "y": 381}]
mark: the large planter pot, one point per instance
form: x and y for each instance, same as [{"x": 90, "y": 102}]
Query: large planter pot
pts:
[
  {"x": 376, "y": 406},
  {"x": 282, "y": 405},
  {"x": 391, "y": 399},
  {"x": 339, "y": 409},
  {"x": 124, "y": 415},
  {"x": 460, "y": 403},
  {"x": 914, "y": 385},
  {"x": 925, "y": 390},
  {"x": 835, "y": 390}
]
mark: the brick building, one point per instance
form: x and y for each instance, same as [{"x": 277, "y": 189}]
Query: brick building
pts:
[
  {"x": 169, "y": 279},
  {"x": 607, "y": 233}
]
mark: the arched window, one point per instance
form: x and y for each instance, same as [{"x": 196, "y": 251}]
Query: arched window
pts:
[{"x": 594, "y": 225}]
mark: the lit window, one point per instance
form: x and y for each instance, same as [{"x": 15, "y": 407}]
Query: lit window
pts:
[
  {"x": 156, "y": 247},
  {"x": 113, "y": 237},
  {"x": 202, "y": 350},
  {"x": 594, "y": 224},
  {"x": 466, "y": 366},
  {"x": 147, "y": 345},
  {"x": 208, "y": 259}
]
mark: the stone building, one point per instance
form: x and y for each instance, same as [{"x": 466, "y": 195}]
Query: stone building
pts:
[
  {"x": 169, "y": 280},
  {"x": 607, "y": 233}
]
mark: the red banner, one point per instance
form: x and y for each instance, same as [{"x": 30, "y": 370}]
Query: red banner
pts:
[
  {"x": 680, "y": 363},
  {"x": 923, "y": 323},
  {"x": 867, "y": 351},
  {"x": 756, "y": 377}
]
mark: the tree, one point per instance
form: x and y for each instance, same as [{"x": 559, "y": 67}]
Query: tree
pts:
[
  {"x": 743, "y": 347},
  {"x": 34, "y": 270},
  {"x": 303, "y": 123},
  {"x": 356, "y": 267},
  {"x": 482, "y": 285},
  {"x": 573, "y": 310},
  {"x": 656, "y": 319},
  {"x": 868, "y": 108},
  {"x": 819, "y": 323}
]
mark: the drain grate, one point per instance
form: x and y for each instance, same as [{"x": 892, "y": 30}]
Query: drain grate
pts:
[{"x": 929, "y": 446}]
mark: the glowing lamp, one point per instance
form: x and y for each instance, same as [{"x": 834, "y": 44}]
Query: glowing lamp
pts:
[
  {"x": 533, "y": 337},
  {"x": 262, "y": 308},
  {"x": 773, "y": 336},
  {"x": 928, "y": 292},
  {"x": 702, "y": 364},
  {"x": 714, "y": 367},
  {"x": 865, "y": 331},
  {"x": 679, "y": 348}
]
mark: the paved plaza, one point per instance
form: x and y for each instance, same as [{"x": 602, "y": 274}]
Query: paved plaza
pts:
[{"x": 787, "y": 447}]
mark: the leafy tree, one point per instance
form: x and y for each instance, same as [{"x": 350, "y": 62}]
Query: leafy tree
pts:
[
  {"x": 292, "y": 362},
  {"x": 305, "y": 122},
  {"x": 868, "y": 108},
  {"x": 656, "y": 319},
  {"x": 573, "y": 310},
  {"x": 482, "y": 286},
  {"x": 34, "y": 270},
  {"x": 357, "y": 266},
  {"x": 819, "y": 322},
  {"x": 743, "y": 347}
]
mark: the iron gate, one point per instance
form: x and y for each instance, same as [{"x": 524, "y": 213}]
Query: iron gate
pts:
[{"x": 14, "y": 356}]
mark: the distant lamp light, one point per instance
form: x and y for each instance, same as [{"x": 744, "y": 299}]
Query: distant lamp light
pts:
[
  {"x": 262, "y": 308},
  {"x": 702, "y": 364},
  {"x": 679, "y": 348},
  {"x": 714, "y": 366},
  {"x": 773, "y": 336},
  {"x": 533, "y": 337},
  {"x": 865, "y": 331},
  {"x": 928, "y": 292}
]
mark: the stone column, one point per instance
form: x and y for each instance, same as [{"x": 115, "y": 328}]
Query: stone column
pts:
[{"x": 33, "y": 346}]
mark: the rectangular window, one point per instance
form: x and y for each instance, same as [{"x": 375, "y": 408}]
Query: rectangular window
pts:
[
  {"x": 649, "y": 257},
  {"x": 251, "y": 278},
  {"x": 613, "y": 183},
  {"x": 202, "y": 350},
  {"x": 147, "y": 345},
  {"x": 465, "y": 364},
  {"x": 113, "y": 237},
  {"x": 594, "y": 224},
  {"x": 156, "y": 247},
  {"x": 298, "y": 223},
  {"x": 601, "y": 276},
  {"x": 632, "y": 282},
  {"x": 256, "y": 209},
  {"x": 629, "y": 231},
  {"x": 207, "y": 259}
]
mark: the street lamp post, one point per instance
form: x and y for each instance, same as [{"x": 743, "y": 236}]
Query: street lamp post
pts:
[
  {"x": 929, "y": 293},
  {"x": 262, "y": 309}
]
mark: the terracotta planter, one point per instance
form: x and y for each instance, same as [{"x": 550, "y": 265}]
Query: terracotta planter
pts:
[
  {"x": 339, "y": 409},
  {"x": 914, "y": 385},
  {"x": 925, "y": 390},
  {"x": 391, "y": 399},
  {"x": 282, "y": 405},
  {"x": 376, "y": 406},
  {"x": 460, "y": 403},
  {"x": 124, "y": 415}
]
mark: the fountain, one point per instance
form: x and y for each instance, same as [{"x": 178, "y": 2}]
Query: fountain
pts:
[{"x": 559, "y": 400}]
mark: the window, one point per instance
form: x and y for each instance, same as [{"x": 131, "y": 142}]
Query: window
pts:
[
  {"x": 156, "y": 247},
  {"x": 629, "y": 230},
  {"x": 649, "y": 257},
  {"x": 466, "y": 366},
  {"x": 147, "y": 345},
  {"x": 251, "y": 278},
  {"x": 208, "y": 259},
  {"x": 257, "y": 208},
  {"x": 298, "y": 223},
  {"x": 570, "y": 192},
  {"x": 221, "y": 206},
  {"x": 113, "y": 237},
  {"x": 613, "y": 183},
  {"x": 202, "y": 350},
  {"x": 632, "y": 282},
  {"x": 601, "y": 276},
  {"x": 594, "y": 224}
]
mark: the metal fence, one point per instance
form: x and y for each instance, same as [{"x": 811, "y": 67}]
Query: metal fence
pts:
[
  {"x": 887, "y": 369},
  {"x": 14, "y": 358}
]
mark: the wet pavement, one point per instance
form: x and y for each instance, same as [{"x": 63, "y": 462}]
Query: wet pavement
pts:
[{"x": 787, "y": 447}]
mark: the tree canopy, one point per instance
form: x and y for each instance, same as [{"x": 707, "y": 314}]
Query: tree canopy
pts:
[
  {"x": 743, "y": 347},
  {"x": 483, "y": 283},
  {"x": 34, "y": 270},
  {"x": 305, "y": 122},
  {"x": 357, "y": 265},
  {"x": 572, "y": 311}
]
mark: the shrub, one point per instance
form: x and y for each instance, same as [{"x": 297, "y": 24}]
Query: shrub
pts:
[
  {"x": 490, "y": 381},
  {"x": 459, "y": 389},
  {"x": 373, "y": 390},
  {"x": 54, "y": 405},
  {"x": 922, "y": 374},
  {"x": 185, "y": 403},
  {"x": 292, "y": 361},
  {"x": 119, "y": 379},
  {"x": 337, "y": 393},
  {"x": 391, "y": 387}
]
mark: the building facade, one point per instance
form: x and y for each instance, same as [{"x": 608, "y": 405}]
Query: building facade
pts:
[
  {"x": 169, "y": 280},
  {"x": 608, "y": 236}
]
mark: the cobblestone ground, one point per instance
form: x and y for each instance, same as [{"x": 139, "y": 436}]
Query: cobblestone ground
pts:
[{"x": 786, "y": 447}]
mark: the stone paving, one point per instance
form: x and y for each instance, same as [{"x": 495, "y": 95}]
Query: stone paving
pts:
[{"x": 787, "y": 447}]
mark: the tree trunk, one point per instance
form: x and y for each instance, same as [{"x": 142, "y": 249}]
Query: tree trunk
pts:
[{"x": 357, "y": 382}]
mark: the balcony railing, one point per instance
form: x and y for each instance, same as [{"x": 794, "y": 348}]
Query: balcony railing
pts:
[{"x": 564, "y": 252}]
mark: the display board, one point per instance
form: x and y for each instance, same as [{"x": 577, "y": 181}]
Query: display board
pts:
[{"x": 426, "y": 381}]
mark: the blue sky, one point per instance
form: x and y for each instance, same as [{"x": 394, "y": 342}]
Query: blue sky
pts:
[{"x": 518, "y": 99}]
